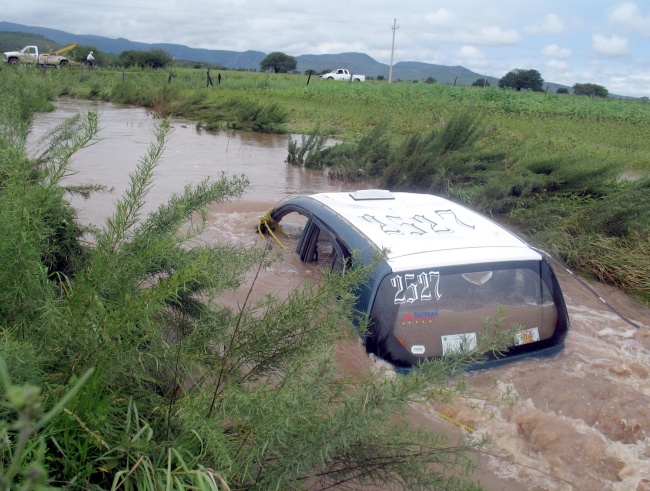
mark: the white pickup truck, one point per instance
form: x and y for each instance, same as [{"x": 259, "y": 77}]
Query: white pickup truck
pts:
[
  {"x": 30, "y": 55},
  {"x": 342, "y": 74}
]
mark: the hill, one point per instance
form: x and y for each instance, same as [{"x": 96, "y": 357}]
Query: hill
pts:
[
  {"x": 11, "y": 41},
  {"x": 250, "y": 60}
]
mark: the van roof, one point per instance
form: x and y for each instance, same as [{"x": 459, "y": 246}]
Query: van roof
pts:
[{"x": 425, "y": 230}]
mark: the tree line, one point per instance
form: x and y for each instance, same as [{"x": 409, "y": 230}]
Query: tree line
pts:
[
  {"x": 517, "y": 79},
  {"x": 530, "y": 79}
]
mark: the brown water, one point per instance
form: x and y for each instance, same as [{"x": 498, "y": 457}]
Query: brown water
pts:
[{"x": 576, "y": 421}]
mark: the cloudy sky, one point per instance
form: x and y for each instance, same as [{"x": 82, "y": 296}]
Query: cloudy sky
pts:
[{"x": 568, "y": 42}]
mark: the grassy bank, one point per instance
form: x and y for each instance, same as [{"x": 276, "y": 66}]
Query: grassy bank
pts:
[{"x": 572, "y": 173}]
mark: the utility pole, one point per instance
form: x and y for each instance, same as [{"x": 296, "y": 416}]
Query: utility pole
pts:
[{"x": 390, "y": 71}]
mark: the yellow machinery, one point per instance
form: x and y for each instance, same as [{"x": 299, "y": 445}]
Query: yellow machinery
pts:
[{"x": 59, "y": 52}]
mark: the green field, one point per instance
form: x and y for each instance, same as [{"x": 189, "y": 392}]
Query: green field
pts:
[{"x": 570, "y": 172}]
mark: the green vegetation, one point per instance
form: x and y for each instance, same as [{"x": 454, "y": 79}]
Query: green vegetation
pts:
[
  {"x": 118, "y": 369},
  {"x": 13, "y": 41},
  {"x": 154, "y": 58},
  {"x": 80, "y": 53},
  {"x": 121, "y": 371},
  {"x": 521, "y": 79},
  {"x": 557, "y": 167},
  {"x": 278, "y": 62},
  {"x": 592, "y": 90},
  {"x": 481, "y": 82},
  {"x": 585, "y": 214}
]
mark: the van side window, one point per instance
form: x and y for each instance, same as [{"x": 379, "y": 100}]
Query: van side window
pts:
[
  {"x": 312, "y": 241},
  {"x": 344, "y": 260},
  {"x": 318, "y": 245}
]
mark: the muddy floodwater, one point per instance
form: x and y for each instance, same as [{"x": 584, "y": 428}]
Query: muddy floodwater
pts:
[{"x": 577, "y": 421}]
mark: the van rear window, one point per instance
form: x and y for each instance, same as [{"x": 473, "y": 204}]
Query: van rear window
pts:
[{"x": 436, "y": 312}]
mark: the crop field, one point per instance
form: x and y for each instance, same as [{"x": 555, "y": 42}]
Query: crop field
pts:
[{"x": 605, "y": 130}]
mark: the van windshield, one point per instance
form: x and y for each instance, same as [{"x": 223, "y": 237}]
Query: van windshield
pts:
[{"x": 435, "y": 312}]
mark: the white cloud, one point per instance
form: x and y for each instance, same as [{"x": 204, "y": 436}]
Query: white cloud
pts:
[
  {"x": 556, "y": 64},
  {"x": 439, "y": 39},
  {"x": 629, "y": 17},
  {"x": 470, "y": 53},
  {"x": 336, "y": 47},
  {"x": 638, "y": 85},
  {"x": 489, "y": 36},
  {"x": 612, "y": 46},
  {"x": 550, "y": 25},
  {"x": 440, "y": 18},
  {"x": 555, "y": 51},
  {"x": 470, "y": 57}
]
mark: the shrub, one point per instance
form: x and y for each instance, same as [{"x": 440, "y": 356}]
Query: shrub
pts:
[
  {"x": 242, "y": 114},
  {"x": 154, "y": 58},
  {"x": 309, "y": 153},
  {"x": 481, "y": 82},
  {"x": 431, "y": 161},
  {"x": 364, "y": 159}
]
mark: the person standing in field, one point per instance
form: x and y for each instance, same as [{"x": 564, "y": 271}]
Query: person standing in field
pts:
[{"x": 90, "y": 59}]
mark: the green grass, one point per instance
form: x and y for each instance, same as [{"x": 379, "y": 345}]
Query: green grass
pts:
[
  {"x": 350, "y": 110},
  {"x": 546, "y": 162}
]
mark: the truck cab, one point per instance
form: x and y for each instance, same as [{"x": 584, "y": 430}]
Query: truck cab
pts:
[{"x": 29, "y": 54}]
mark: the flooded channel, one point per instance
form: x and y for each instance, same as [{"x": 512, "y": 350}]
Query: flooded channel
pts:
[{"x": 576, "y": 421}]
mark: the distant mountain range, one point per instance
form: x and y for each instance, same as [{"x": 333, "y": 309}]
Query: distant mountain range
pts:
[{"x": 250, "y": 60}]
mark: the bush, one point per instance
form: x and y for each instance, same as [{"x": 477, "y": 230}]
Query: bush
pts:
[
  {"x": 522, "y": 79},
  {"x": 430, "y": 162},
  {"x": 364, "y": 159},
  {"x": 591, "y": 90},
  {"x": 154, "y": 58},
  {"x": 242, "y": 114},
  {"x": 309, "y": 153}
]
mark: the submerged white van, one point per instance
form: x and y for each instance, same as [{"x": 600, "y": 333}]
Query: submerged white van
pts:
[{"x": 445, "y": 269}]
